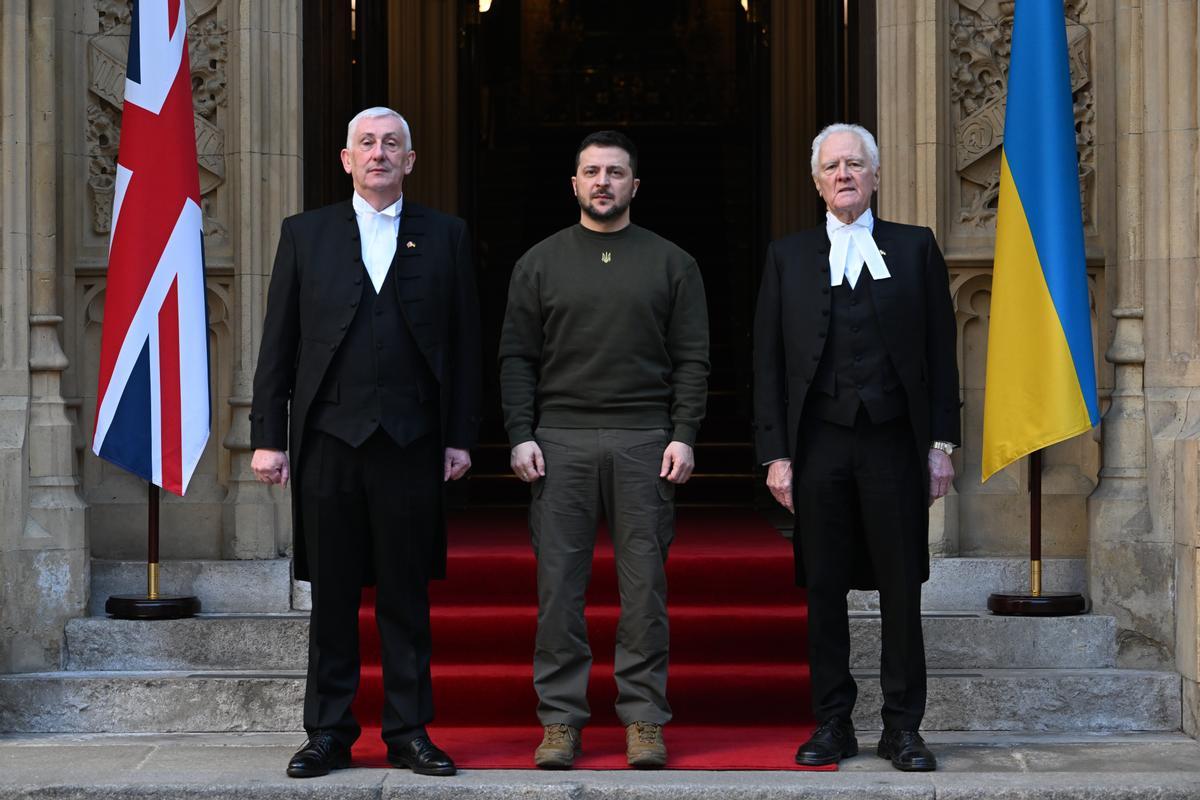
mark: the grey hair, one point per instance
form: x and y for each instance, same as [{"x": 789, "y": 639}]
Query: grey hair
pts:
[
  {"x": 378, "y": 111},
  {"x": 862, "y": 133}
]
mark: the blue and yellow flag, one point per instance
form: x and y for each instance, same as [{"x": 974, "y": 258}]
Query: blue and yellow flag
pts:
[{"x": 1041, "y": 377}]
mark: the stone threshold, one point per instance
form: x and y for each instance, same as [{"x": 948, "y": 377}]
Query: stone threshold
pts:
[
  {"x": 1164, "y": 766},
  {"x": 993, "y": 700}
]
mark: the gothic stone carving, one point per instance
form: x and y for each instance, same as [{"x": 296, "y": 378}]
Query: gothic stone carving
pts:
[
  {"x": 980, "y": 42},
  {"x": 107, "y": 52}
]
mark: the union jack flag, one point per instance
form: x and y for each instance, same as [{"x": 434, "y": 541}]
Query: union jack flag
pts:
[{"x": 152, "y": 406}]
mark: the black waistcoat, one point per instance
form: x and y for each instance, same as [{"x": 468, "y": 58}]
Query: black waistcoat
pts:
[
  {"x": 378, "y": 377},
  {"x": 855, "y": 368}
]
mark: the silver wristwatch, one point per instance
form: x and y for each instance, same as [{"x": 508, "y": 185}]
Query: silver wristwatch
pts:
[{"x": 945, "y": 447}]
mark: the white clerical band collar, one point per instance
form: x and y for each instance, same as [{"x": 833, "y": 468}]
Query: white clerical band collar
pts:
[
  {"x": 361, "y": 206},
  {"x": 851, "y": 247},
  {"x": 833, "y": 224}
]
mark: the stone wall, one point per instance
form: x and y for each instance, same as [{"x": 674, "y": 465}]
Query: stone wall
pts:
[
  {"x": 43, "y": 554},
  {"x": 942, "y": 80},
  {"x": 1145, "y": 554},
  {"x": 245, "y": 65},
  {"x": 62, "y": 78},
  {"x": 1135, "y": 512},
  {"x": 191, "y": 526}
]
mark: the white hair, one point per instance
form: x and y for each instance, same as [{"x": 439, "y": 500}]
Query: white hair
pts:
[
  {"x": 864, "y": 136},
  {"x": 378, "y": 111}
]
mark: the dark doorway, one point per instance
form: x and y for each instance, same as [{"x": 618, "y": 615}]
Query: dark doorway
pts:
[
  {"x": 689, "y": 80},
  {"x": 345, "y": 71},
  {"x": 686, "y": 81}
]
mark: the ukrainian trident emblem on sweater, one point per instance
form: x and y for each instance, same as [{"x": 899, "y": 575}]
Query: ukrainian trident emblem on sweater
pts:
[{"x": 606, "y": 256}]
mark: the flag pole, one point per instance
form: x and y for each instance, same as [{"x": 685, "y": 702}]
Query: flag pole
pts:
[
  {"x": 152, "y": 543},
  {"x": 1036, "y": 603},
  {"x": 1035, "y": 523},
  {"x": 152, "y": 605}
]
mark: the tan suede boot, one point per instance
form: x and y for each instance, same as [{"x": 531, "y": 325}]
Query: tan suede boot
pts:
[
  {"x": 560, "y": 744},
  {"x": 644, "y": 746}
]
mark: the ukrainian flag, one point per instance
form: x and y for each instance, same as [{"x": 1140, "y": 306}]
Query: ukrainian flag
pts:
[{"x": 1041, "y": 377}]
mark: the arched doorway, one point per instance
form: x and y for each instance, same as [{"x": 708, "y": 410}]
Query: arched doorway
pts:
[{"x": 722, "y": 98}]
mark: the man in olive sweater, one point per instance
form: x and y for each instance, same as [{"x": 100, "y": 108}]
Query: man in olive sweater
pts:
[{"x": 603, "y": 377}]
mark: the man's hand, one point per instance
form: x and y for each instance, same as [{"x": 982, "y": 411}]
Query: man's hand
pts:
[
  {"x": 270, "y": 466},
  {"x": 941, "y": 473},
  {"x": 779, "y": 481},
  {"x": 455, "y": 464},
  {"x": 527, "y": 462},
  {"x": 677, "y": 463}
]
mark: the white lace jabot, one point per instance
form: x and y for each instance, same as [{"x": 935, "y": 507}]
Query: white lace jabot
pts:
[{"x": 850, "y": 246}]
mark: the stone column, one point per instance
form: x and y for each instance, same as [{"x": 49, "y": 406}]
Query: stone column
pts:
[
  {"x": 16, "y": 644},
  {"x": 43, "y": 550},
  {"x": 913, "y": 146},
  {"x": 266, "y": 166},
  {"x": 1134, "y": 543},
  {"x": 1157, "y": 552},
  {"x": 1121, "y": 552},
  {"x": 1187, "y": 561},
  {"x": 914, "y": 149},
  {"x": 1172, "y": 345}
]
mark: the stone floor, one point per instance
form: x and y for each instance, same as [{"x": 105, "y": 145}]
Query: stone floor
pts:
[{"x": 1162, "y": 766}]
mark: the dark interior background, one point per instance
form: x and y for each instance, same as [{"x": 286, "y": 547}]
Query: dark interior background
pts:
[{"x": 689, "y": 82}]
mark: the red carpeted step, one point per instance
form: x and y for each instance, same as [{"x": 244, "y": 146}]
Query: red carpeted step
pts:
[
  {"x": 738, "y": 632},
  {"x": 509, "y": 575},
  {"x": 730, "y": 634},
  {"x": 717, "y": 557},
  {"x": 700, "y": 694}
]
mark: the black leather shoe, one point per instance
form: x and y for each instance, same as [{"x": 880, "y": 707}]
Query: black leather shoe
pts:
[
  {"x": 321, "y": 754},
  {"x": 422, "y": 757},
  {"x": 907, "y": 751},
  {"x": 832, "y": 741}
]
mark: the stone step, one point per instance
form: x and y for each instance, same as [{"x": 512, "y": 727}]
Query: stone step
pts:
[
  {"x": 958, "y": 584},
  {"x": 972, "y": 766},
  {"x": 279, "y": 641},
  {"x": 254, "y": 586},
  {"x": 955, "y": 584},
  {"x": 993, "y": 700}
]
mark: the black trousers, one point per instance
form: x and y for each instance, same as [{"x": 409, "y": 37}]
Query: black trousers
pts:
[
  {"x": 370, "y": 511},
  {"x": 863, "y": 480}
]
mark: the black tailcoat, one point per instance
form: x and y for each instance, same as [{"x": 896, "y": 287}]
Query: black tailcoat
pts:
[
  {"x": 311, "y": 302},
  {"x": 916, "y": 317}
]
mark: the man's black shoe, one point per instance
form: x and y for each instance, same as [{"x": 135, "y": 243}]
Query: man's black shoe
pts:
[
  {"x": 832, "y": 741},
  {"x": 907, "y": 751},
  {"x": 319, "y": 755},
  {"x": 422, "y": 757}
]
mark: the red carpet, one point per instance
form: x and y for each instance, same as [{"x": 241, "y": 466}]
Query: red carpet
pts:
[{"x": 738, "y": 678}]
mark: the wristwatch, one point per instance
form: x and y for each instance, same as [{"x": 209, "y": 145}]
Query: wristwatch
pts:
[{"x": 945, "y": 447}]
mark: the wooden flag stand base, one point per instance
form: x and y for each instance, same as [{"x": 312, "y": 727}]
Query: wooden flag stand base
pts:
[
  {"x": 132, "y": 606},
  {"x": 1046, "y": 604},
  {"x": 151, "y": 605},
  {"x": 1036, "y": 603}
]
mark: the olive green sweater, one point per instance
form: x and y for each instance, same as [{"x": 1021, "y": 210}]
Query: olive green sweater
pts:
[{"x": 604, "y": 330}]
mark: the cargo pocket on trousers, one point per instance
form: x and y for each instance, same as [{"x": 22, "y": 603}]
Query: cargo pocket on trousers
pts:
[{"x": 666, "y": 516}]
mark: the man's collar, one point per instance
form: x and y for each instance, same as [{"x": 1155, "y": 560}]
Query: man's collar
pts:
[
  {"x": 361, "y": 206},
  {"x": 865, "y": 220}
]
